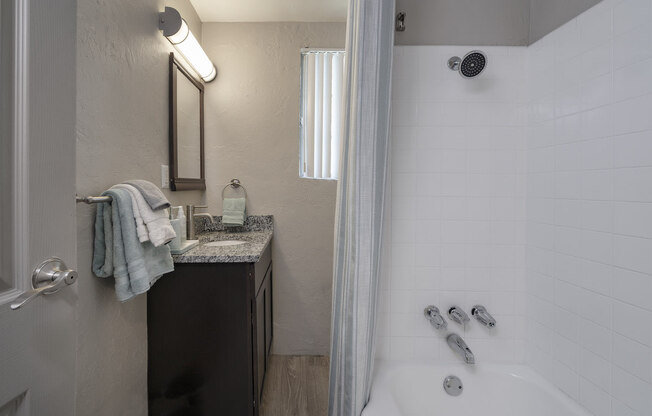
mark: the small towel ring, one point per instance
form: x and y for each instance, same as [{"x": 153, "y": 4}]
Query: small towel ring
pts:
[{"x": 235, "y": 184}]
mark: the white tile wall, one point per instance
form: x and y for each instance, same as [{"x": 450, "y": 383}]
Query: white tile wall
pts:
[
  {"x": 589, "y": 208},
  {"x": 530, "y": 190},
  {"x": 457, "y": 204}
]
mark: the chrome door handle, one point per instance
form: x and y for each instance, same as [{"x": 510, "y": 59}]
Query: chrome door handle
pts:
[{"x": 47, "y": 278}]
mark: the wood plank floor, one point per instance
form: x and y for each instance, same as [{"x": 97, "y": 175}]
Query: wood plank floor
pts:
[{"x": 296, "y": 385}]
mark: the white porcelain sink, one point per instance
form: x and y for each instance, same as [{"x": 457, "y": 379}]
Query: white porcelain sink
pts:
[{"x": 225, "y": 243}]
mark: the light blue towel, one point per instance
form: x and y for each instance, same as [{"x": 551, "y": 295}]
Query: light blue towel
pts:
[
  {"x": 234, "y": 212},
  {"x": 118, "y": 251}
]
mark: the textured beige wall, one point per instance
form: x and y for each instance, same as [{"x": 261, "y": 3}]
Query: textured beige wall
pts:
[
  {"x": 548, "y": 15},
  {"x": 464, "y": 22},
  {"x": 486, "y": 22},
  {"x": 252, "y": 133},
  {"x": 122, "y": 77}
]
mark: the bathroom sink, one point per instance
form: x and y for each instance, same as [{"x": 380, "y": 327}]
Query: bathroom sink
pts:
[{"x": 225, "y": 243}]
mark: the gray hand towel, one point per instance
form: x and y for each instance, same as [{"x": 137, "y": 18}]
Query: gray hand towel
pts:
[{"x": 151, "y": 193}]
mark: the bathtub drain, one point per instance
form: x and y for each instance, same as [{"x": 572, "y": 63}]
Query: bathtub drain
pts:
[{"x": 453, "y": 385}]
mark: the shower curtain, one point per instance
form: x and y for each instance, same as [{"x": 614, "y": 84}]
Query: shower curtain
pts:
[{"x": 358, "y": 231}]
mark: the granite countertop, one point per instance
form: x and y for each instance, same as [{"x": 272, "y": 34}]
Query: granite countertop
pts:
[{"x": 257, "y": 232}]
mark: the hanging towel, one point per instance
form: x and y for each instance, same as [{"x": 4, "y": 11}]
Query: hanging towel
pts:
[
  {"x": 141, "y": 228},
  {"x": 118, "y": 252},
  {"x": 154, "y": 197},
  {"x": 103, "y": 243},
  {"x": 157, "y": 225},
  {"x": 234, "y": 212}
]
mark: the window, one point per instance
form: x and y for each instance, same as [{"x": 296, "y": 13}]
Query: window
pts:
[{"x": 322, "y": 73}]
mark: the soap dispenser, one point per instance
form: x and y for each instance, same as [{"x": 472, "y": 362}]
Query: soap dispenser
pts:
[
  {"x": 181, "y": 243},
  {"x": 181, "y": 215},
  {"x": 176, "y": 223}
]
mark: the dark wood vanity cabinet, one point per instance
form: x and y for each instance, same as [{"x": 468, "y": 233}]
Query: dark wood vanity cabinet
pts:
[{"x": 209, "y": 328}]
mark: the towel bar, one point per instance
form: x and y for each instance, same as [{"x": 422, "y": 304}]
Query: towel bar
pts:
[
  {"x": 92, "y": 199},
  {"x": 235, "y": 184}
]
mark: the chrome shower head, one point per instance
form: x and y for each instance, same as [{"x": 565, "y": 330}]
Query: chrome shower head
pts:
[{"x": 470, "y": 66}]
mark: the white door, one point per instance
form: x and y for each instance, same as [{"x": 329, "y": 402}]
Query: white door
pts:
[{"x": 37, "y": 204}]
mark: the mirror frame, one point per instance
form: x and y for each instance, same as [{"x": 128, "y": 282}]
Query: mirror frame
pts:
[{"x": 177, "y": 183}]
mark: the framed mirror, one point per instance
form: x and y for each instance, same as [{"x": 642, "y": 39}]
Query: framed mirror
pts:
[{"x": 186, "y": 126}]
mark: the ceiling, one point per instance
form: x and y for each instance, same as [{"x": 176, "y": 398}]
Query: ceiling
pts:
[{"x": 271, "y": 10}]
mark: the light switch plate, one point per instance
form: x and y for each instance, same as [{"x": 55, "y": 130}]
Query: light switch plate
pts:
[{"x": 165, "y": 176}]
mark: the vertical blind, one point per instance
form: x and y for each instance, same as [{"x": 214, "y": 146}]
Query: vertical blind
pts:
[{"x": 321, "y": 112}]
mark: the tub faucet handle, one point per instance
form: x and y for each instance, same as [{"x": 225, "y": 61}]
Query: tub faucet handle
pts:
[
  {"x": 457, "y": 314},
  {"x": 431, "y": 312},
  {"x": 480, "y": 313}
]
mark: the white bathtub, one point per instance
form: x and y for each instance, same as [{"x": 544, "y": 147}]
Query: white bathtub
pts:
[{"x": 410, "y": 389}]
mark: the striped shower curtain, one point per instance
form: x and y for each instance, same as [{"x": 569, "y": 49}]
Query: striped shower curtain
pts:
[{"x": 358, "y": 232}]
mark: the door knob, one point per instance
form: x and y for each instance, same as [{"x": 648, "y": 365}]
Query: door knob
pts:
[{"x": 47, "y": 278}]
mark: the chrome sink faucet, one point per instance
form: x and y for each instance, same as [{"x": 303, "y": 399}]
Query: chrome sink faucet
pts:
[
  {"x": 458, "y": 345},
  {"x": 190, "y": 219},
  {"x": 431, "y": 312},
  {"x": 480, "y": 313}
]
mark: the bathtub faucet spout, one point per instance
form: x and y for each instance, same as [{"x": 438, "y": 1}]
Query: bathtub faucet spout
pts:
[{"x": 458, "y": 345}]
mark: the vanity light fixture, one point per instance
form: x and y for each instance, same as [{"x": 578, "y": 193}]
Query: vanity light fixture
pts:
[{"x": 178, "y": 33}]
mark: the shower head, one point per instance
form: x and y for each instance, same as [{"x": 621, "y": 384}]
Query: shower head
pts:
[{"x": 470, "y": 66}]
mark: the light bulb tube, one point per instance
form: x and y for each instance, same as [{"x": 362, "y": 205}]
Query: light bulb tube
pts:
[{"x": 187, "y": 45}]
